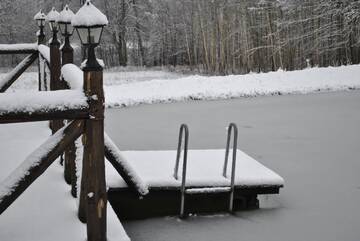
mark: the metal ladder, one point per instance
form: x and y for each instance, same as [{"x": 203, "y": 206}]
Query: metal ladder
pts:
[{"x": 184, "y": 129}]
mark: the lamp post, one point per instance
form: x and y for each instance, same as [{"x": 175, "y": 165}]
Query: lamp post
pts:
[
  {"x": 40, "y": 21},
  {"x": 55, "y": 62},
  {"x": 66, "y": 30},
  {"x": 89, "y": 23}
]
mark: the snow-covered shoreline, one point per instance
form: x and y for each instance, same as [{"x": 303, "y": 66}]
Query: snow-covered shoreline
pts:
[{"x": 125, "y": 89}]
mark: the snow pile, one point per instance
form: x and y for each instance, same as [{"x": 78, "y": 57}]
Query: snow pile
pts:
[
  {"x": 234, "y": 86},
  {"x": 40, "y": 16},
  {"x": 141, "y": 186},
  {"x": 73, "y": 76},
  {"x": 45, "y": 52},
  {"x": 15, "y": 47},
  {"x": 52, "y": 15},
  {"x": 66, "y": 15},
  {"x": 8, "y": 185},
  {"x": 89, "y": 15},
  {"x": 42, "y": 101}
]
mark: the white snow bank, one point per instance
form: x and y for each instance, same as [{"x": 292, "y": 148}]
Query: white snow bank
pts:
[
  {"x": 204, "y": 169},
  {"x": 89, "y": 15},
  {"x": 234, "y": 86},
  {"x": 45, "y": 52},
  {"x": 15, "y": 47},
  {"x": 73, "y": 75},
  {"x": 42, "y": 101}
]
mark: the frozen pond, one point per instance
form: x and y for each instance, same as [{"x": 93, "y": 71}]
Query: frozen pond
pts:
[{"x": 312, "y": 141}]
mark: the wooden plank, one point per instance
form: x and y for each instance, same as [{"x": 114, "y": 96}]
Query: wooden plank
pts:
[
  {"x": 17, "y": 71},
  {"x": 48, "y": 114},
  {"x": 25, "y": 48},
  {"x": 122, "y": 169},
  {"x": 56, "y": 145}
]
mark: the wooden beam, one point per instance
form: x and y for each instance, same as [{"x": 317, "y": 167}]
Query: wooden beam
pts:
[
  {"x": 18, "y": 51},
  {"x": 37, "y": 163},
  {"x": 113, "y": 155},
  {"x": 23, "y": 116},
  {"x": 93, "y": 196},
  {"x": 17, "y": 71}
]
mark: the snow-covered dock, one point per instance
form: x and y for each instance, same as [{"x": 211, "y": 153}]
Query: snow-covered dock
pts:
[{"x": 204, "y": 179}]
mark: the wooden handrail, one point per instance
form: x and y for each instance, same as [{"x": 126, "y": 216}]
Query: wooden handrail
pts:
[
  {"x": 37, "y": 163},
  {"x": 12, "y": 76}
]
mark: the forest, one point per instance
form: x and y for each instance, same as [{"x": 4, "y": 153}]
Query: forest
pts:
[{"x": 209, "y": 36}]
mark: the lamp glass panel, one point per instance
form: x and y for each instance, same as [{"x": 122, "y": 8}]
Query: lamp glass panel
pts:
[
  {"x": 62, "y": 27},
  {"x": 83, "y": 35},
  {"x": 70, "y": 29},
  {"x": 95, "y": 35}
]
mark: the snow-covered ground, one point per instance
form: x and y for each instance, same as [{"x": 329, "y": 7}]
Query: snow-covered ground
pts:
[
  {"x": 46, "y": 211},
  {"x": 129, "y": 88}
]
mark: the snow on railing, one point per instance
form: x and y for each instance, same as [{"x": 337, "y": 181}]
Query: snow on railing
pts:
[
  {"x": 123, "y": 167},
  {"x": 42, "y": 101},
  {"x": 45, "y": 52},
  {"x": 33, "y": 47},
  {"x": 73, "y": 76}
]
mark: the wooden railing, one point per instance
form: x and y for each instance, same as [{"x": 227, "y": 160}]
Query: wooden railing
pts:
[{"x": 73, "y": 101}]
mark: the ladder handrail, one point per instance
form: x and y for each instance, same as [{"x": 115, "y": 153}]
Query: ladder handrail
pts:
[
  {"x": 183, "y": 128},
  {"x": 231, "y": 129}
]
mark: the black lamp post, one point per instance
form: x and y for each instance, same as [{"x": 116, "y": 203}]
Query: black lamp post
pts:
[
  {"x": 66, "y": 30},
  {"x": 89, "y": 23},
  {"x": 40, "y": 21}
]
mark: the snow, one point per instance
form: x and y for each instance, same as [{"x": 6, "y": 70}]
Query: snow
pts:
[
  {"x": 207, "y": 190},
  {"x": 234, "y": 86},
  {"x": 42, "y": 101},
  {"x": 204, "y": 169},
  {"x": 40, "y": 16},
  {"x": 89, "y": 15},
  {"x": 14, "y": 47},
  {"x": 45, "y": 52},
  {"x": 66, "y": 15},
  {"x": 100, "y": 61},
  {"x": 140, "y": 184},
  {"x": 73, "y": 75},
  {"x": 52, "y": 15},
  {"x": 46, "y": 211},
  {"x": 8, "y": 185}
]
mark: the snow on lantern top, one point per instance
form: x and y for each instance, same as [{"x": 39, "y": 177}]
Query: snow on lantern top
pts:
[
  {"x": 66, "y": 15},
  {"x": 40, "y": 16},
  {"x": 88, "y": 16},
  {"x": 52, "y": 15}
]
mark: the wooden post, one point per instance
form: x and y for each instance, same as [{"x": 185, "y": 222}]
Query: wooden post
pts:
[
  {"x": 55, "y": 72},
  {"x": 70, "y": 153},
  {"x": 41, "y": 40},
  {"x": 93, "y": 197}
]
